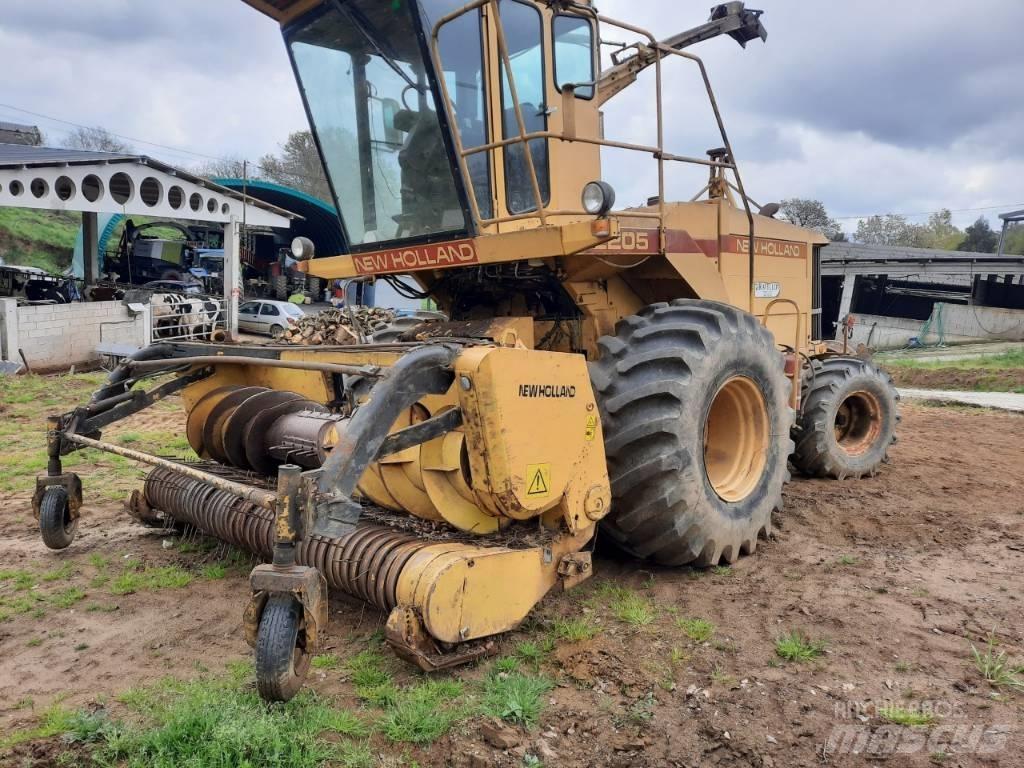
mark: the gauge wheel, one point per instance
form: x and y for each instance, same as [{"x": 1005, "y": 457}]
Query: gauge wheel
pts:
[
  {"x": 282, "y": 656},
  {"x": 56, "y": 525}
]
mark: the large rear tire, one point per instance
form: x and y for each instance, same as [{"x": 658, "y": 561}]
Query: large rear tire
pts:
[
  {"x": 694, "y": 406},
  {"x": 848, "y": 415}
]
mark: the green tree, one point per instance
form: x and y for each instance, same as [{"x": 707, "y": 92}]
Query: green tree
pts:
[
  {"x": 1014, "y": 240},
  {"x": 979, "y": 237},
  {"x": 892, "y": 229},
  {"x": 298, "y": 166},
  {"x": 812, "y": 215}
]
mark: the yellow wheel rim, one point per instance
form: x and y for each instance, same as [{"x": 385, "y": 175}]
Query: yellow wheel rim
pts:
[
  {"x": 858, "y": 423},
  {"x": 736, "y": 439}
]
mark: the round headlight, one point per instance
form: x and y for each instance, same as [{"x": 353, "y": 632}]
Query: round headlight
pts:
[
  {"x": 598, "y": 198},
  {"x": 303, "y": 248}
]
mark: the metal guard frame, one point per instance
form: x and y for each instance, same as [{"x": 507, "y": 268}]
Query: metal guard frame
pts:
[{"x": 524, "y": 138}]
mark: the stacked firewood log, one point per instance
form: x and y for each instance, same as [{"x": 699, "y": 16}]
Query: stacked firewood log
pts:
[{"x": 349, "y": 325}]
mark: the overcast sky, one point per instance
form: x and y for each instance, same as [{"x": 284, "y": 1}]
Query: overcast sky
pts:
[{"x": 870, "y": 106}]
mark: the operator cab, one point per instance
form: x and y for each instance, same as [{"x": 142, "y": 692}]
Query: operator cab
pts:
[{"x": 372, "y": 94}]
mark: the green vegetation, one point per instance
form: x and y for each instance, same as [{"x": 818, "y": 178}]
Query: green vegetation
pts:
[
  {"x": 795, "y": 646},
  {"x": 325, "y": 661},
  {"x": 901, "y": 716},
  {"x": 215, "y": 572},
  {"x": 67, "y": 597},
  {"x": 423, "y": 713},
  {"x": 996, "y": 668},
  {"x": 632, "y": 609},
  {"x": 1004, "y": 360},
  {"x": 516, "y": 697},
  {"x": 27, "y": 400},
  {"x": 138, "y": 579},
  {"x": 534, "y": 652},
  {"x": 698, "y": 630},
  {"x": 575, "y": 630},
  {"x": 847, "y": 560},
  {"x": 36, "y": 238},
  {"x": 372, "y": 681}
]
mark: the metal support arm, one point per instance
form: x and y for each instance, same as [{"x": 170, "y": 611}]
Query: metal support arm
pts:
[
  {"x": 731, "y": 18},
  {"x": 424, "y": 371}
]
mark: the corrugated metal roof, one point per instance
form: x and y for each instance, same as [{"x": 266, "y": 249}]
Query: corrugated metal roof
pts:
[
  {"x": 859, "y": 251},
  {"x": 18, "y": 155},
  {"x": 18, "y": 127}
]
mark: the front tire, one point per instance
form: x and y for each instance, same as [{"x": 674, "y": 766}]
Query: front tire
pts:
[
  {"x": 56, "y": 525},
  {"x": 694, "y": 404},
  {"x": 282, "y": 658},
  {"x": 848, "y": 416}
]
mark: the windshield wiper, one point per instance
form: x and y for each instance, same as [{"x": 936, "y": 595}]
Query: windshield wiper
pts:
[{"x": 369, "y": 33}]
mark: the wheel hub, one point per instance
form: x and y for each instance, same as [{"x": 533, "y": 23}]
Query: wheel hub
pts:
[
  {"x": 736, "y": 436},
  {"x": 858, "y": 423}
]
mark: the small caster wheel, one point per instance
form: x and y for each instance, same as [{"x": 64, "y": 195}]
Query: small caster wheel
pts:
[
  {"x": 282, "y": 658},
  {"x": 55, "y": 522}
]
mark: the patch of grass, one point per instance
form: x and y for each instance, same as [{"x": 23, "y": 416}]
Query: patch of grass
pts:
[
  {"x": 58, "y": 574},
  {"x": 722, "y": 570},
  {"x": 625, "y": 605},
  {"x": 35, "y": 642},
  {"x": 222, "y": 723},
  {"x": 424, "y": 713},
  {"x": 1013, "y": 358},
  {"x": 101, "y": 608},
  {"x": 214, "y": 572},
  {"x": 66, "y": 598},
  {"x": 575, "y": 630},
  {"x": 720, "y": 676},
  {"x": 98, "y": 561},
  {"x": 20, "y": 580},
  {"x": 698, "y": 630},
  {"x": 996, "y": 668},
  {"x": 795, "y": 646},
  {"x": 516, "y": 697},
  {"x": 150, "y": 580},
  {"x": 901, "y": 716},
  {"x": 356, "y": 756},
  {"x": 507, "y": 664},
  {"x": 534, "y": 652},
  {"x": 632, "y": 609},
  {"x": 55, "y": 721},
  {"x": 325, "y": 661},
  {"x": 129, "y": 437},
  {"x": 371, "y": 680},
  {"x": 847, "y": 560}
]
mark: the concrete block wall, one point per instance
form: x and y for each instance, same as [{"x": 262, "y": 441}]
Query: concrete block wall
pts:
[
  {"x": 55, "y": 336},
  {"x": 962, "y": 325}
]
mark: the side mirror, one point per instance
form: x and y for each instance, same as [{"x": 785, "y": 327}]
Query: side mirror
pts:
[{"x": 390, "y": 109}]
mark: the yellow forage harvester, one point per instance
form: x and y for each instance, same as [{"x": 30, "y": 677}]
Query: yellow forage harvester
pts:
[{"x": 650, "y": 371}]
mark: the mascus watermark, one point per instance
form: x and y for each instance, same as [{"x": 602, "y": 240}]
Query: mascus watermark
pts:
[
  {"x": 923, "y": 727},
  {"x": 885, "y": 740}
]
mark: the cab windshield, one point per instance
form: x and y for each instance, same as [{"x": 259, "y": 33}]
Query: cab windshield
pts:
[{"x": 369, "y": 93}]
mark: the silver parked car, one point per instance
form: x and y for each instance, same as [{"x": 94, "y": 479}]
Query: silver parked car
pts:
[{"x": 271, "y": 318}]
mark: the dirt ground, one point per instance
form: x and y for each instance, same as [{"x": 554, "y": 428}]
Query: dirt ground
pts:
[{"x": 897, "y": 575}]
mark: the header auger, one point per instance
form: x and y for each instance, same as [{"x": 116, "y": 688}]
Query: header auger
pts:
[{"x": 652, "y": 371}]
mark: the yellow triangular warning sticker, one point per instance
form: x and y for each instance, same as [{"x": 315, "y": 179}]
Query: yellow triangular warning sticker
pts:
[{"x": 539, "y": 478}]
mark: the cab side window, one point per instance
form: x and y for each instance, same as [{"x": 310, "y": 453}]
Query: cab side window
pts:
[
  {"x": 574, "y": 53},
  {"x": 524, "y": 34}
]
